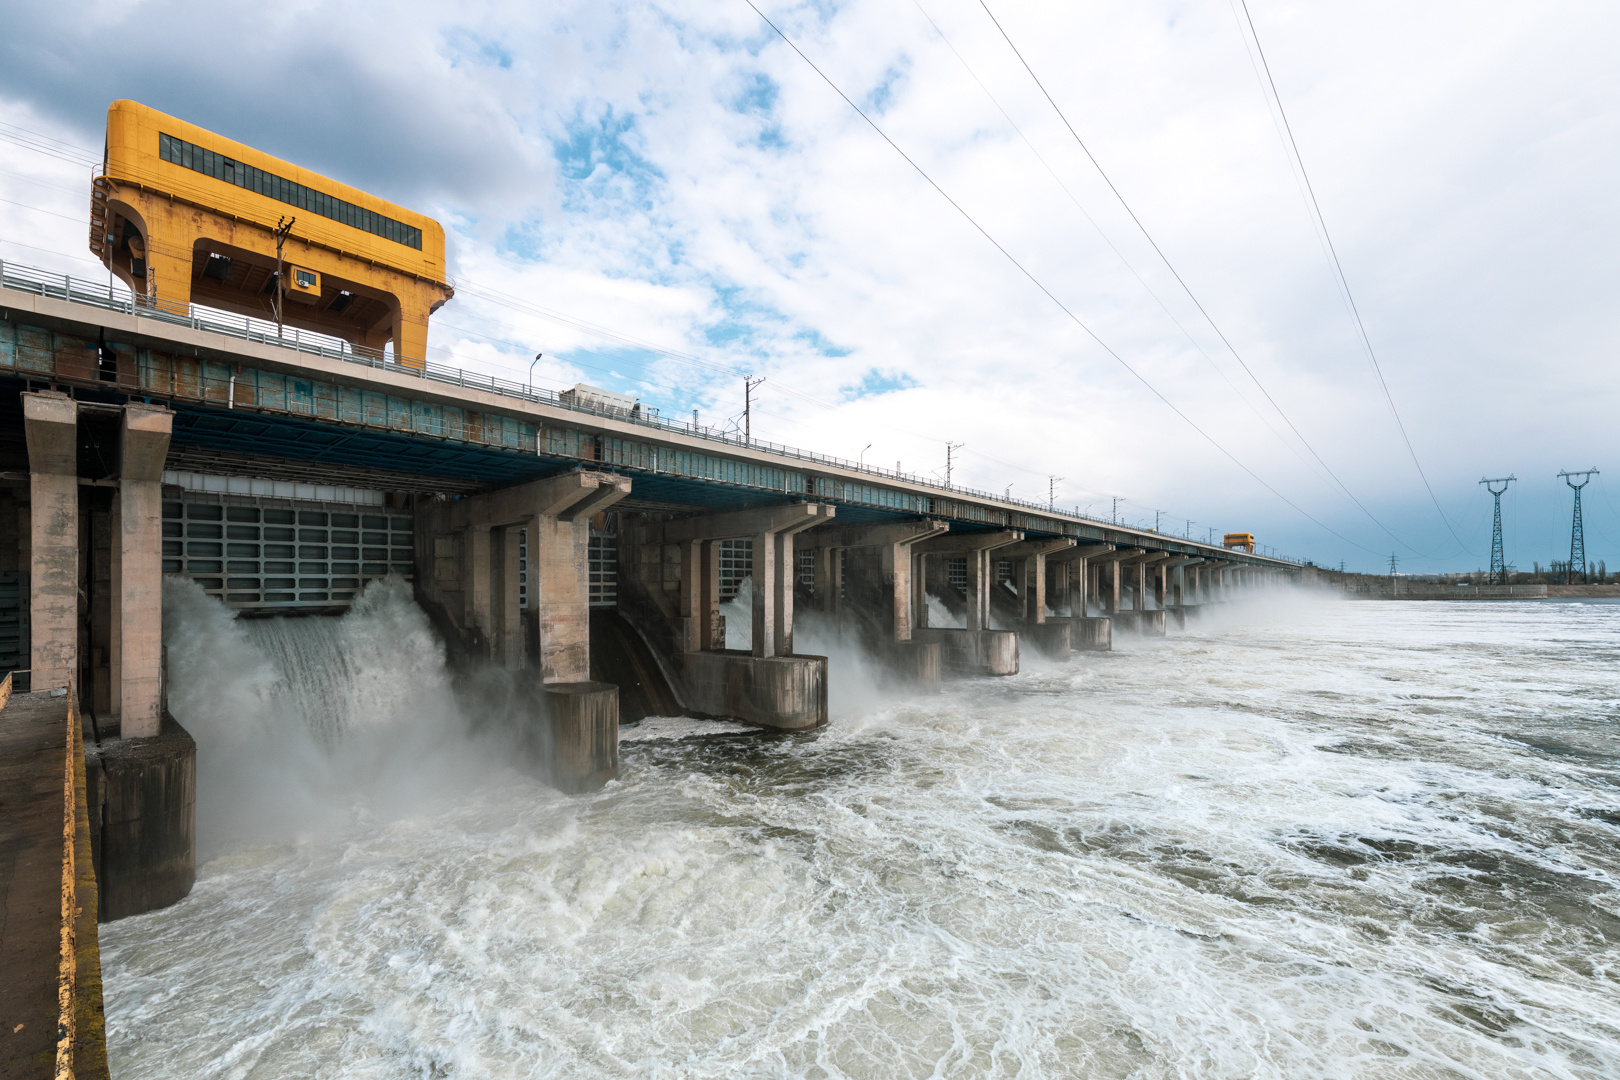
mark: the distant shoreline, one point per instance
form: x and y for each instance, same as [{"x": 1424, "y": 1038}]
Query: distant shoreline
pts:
[{"x": 1374, "y": 588}]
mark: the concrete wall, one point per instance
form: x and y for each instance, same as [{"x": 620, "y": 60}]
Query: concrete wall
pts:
[
  {"x": 785, "y": 692},
  {"x": 973, "y": 652},
  {"x": 143, "y": 797}
]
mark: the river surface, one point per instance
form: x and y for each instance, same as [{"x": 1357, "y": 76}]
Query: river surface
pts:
[{"x": 1301, "y": 839}]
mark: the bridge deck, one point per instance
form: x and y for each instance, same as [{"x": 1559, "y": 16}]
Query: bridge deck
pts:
[{"x": 33, "y": 738}]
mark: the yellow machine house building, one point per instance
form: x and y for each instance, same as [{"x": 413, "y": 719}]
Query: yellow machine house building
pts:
[{"x": 184, "y": 216}]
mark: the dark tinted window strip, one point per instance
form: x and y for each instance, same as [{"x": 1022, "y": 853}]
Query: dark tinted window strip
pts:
[{"x": 223, "y": 168}]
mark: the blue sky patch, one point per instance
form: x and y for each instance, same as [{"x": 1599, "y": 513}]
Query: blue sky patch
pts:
[
  {"x": 463, "y": 45},
  {"x": 876, "y": 382}
]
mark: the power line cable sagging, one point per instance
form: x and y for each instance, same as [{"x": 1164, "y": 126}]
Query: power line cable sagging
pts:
[
  {"x": 1067, "y": 311},
  {"x": 1185, "y": 288},
  {"x": 1340, "y": 279}
]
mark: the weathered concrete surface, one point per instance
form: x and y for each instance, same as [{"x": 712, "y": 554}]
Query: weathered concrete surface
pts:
[
  {"x": 973, "y": 652},
  {"x": 143, "y": 794},
  {"x": 915, "y": 662},
  {"x": 786, "y": 692},
  {"x": 1051, "y": 637},
  {"x": 582, "y": 720},
  {"x": 50, "y": 423},
  {"x": 1152, "y": 623},
  {"x": 34, "y": 743},
  {"x": 137, "y": 571},
  {"x": 1091, "y": 634},
  {"x": 467, "y": 575}
]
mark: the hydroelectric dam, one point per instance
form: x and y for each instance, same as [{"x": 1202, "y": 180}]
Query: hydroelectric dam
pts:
[{"x": 579, "y": 542}]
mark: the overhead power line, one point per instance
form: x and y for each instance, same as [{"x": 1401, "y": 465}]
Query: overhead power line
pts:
[
  {"x": 1343, "y": 281},
  {"x": 1042, "y": 287},
  {"x": 1182, "y": 281}
]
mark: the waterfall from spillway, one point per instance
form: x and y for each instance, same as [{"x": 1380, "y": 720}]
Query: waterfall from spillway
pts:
[
  {"x": 297, "y": 719},
  {"x": 371, "y": 667}
]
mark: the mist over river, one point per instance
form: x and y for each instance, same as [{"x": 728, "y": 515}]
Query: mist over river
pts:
[{"x": 1301, "y": 839}]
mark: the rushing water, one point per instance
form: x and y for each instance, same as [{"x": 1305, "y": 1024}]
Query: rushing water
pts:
[{"x": 1303, "y": 839}]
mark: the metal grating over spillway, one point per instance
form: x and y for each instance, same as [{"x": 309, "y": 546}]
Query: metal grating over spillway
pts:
[{"x": 269, "y": 553}]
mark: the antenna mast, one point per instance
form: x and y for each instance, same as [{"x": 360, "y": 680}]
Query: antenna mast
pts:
[
  {"x": 950, "y": 447},
  {"x": 1498, "y": 563},
  {"x": 749, "y": 382}
]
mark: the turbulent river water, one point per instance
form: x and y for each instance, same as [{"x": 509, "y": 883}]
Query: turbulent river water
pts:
[{"x": 1301, "y": 839}]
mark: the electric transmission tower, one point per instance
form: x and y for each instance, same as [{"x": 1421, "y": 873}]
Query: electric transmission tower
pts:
[
  {"x": 1577, "y": 536},
  {"x": 1498, "y": 563}
]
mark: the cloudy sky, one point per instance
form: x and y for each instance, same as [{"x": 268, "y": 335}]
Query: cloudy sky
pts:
[{"x": 664, "y": 197}]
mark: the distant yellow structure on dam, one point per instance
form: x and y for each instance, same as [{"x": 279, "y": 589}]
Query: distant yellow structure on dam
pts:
[{"x": 182, "y": 215}]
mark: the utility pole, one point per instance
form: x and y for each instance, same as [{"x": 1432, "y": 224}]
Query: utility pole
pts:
[
  {"x": 749, "y": 382},
  {"x": 1157, "y": 515},
  {"x": 1188, "y": 533},
  {"x": 1498, "y": 562},
  {"x": 283, "y": 227},
  {"x": 1051, "y": 492},
  {"x": 1115, "y": 518},
  {"x": 950, "y": 447},
  {"x": 1577, "y": 534}
]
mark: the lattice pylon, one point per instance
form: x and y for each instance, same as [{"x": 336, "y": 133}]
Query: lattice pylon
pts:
[
  {"x": 1498, "y": 561},
  {"x": 1577, "y": 533}
]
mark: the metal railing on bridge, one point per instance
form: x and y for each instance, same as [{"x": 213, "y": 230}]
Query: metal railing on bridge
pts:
[{"x": 196, "y": 317}]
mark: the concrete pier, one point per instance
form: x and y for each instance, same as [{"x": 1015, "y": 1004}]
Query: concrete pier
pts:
[
  {"x": 784, "y": 692},
  {"x": 1087, "y": 634},
  {"x": 142, "y": 793},
  {"x": 1051, "y": 637},
  {"x": 670, "y": 589},
  {"x": 580, "y": 750},
  {"x": 973, "y": 652},
  {"x": 136, "y": 682},
  {"x": 50, "y": 424}
]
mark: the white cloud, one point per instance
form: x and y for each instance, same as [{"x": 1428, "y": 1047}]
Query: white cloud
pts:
[{"x": 677, "y": 174}]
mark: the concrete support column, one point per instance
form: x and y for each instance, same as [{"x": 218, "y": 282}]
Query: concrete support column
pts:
[
  {"x": 919, "y": 589},
  {"x": 138, "y": 571},
  {"x": 897, "y": 570},
  {"x": 710, "y": 635},
  {"x": 1141, "y": 597},
  {"x": 50, "y": 425},
  {"x": 477, "y": 583},
  {"x": 691, "y": 610},
  {"x": 560, "y": 595},
  {"x": 786, "y": 573},
  {"x": 1116, "y": 574},
  {"x": 505, "y": 603},
  {"x": 978, "y": 590},
  {"x": 766, "y": 594},
  {"x": 1079, "y": 572}
]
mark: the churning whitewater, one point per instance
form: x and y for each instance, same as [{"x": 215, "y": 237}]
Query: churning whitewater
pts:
[{"x": 1302, "y": 839}]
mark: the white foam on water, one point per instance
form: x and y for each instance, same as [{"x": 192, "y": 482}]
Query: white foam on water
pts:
[
  {"x": 681, "y": 727},
  {"x": 1300, "y": 840}
]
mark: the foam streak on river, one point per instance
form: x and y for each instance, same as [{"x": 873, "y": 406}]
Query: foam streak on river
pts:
[{"x": 1302, "y": 839}]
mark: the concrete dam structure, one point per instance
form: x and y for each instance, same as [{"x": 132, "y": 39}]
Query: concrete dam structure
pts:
[
  {"x": 544, "y": 533},
  {"x": 573, "y": 548}
]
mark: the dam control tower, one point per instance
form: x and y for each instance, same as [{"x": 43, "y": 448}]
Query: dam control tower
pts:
[{"x": 181, "y": 216}]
